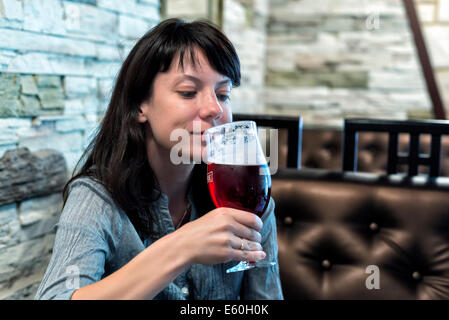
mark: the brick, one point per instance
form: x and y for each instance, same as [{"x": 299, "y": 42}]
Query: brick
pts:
[
  {"x": 8, "y": 108},
  {"x": 24, "y": 288},
  {"x": 107, "y": 52},
  {"x": 37, "y": 209},
  {"x": 88, "y": 104},
  {"x": 50, "y": 63},
  {"x": 30, "y": 106},
  {"x": 105, "y": 87},
  {"x": 8, "y": 213},
  {"x": 9, "y": 86},
  {"x": 6, "y": 56},
  {"x": 12, "y": 9},
  {"x": 48, "y": 82},
  {"x": 28, "y": 85},
  {"x": 44, "y": 16},
  {"x": 26, "y": 175},
  {"x": 76, "y": 123},
  {"x": 133, "y": 28},
  {"x": 150, "y": 2},
  {"x": 9, "y": 233},
  {"x": 91, "y": 22},
  {"x": 392, "y": 81},
  {"x": 79, "y": 86},
  {"x": 66, "y": 142},
  {"x": 148, "y": 10},
  {"x": 14, "y": 123},
  {"x": 357, "y": 79},
  {"x": 187, "y": 8},
  {"x": 51, "y": 98},
  {"x": 30, "y": 41},
  {"x": 7, "y": 137},
  {"x": 91, "y": 2},
  {"x": 234, "y": 15},
  {"x": 21, "y": 255},
  {"x": 102, "y": 69},
  {"x": 42, "y": 63},
  {"x": 9, "y": 224}
]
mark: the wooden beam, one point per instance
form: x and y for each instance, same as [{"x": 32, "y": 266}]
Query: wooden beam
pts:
[{"x": 432, "y": 88}]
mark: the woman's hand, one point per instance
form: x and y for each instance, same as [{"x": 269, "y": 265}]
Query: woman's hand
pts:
[{"x": 217, "y": 237}]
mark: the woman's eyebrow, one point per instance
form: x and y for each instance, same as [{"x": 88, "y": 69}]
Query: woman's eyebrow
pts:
[{"x": 198, "y": 80}]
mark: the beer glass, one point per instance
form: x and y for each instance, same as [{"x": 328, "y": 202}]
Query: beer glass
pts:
[{"x": 238, "y": 175}]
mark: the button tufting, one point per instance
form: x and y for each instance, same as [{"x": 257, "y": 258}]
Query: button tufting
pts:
[
  {"x": 374, "y": 226},
  {"x": 326, "y": 264},
  {"x": 288, "y": 220},
  {"x": 416, "y": 275}
]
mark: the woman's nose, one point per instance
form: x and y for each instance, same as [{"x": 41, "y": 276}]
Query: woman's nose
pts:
[{"x": 210, "y": 107}]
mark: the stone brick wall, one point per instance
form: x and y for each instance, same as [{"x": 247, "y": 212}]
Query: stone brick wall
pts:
[
  {"x": 244, "y": 22},
  {"x": 58, "y": 61},
  {"x": 331, "y": 59}
]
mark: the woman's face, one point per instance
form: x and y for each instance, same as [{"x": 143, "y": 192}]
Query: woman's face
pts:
[{"x": 193, "y": 99}]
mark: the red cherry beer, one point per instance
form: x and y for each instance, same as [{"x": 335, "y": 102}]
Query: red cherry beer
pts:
[
  {"x": 238, "y": 175},
  {"x": 243, "y": 187}
]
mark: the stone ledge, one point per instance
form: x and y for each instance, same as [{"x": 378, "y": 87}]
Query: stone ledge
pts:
[{"x": 25, "y": 175}]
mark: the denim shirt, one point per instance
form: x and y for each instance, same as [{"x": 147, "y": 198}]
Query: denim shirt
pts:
[{"x": 95, "y": 238}]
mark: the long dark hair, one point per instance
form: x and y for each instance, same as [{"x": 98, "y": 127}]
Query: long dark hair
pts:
[{"x": 116, "y": 156}]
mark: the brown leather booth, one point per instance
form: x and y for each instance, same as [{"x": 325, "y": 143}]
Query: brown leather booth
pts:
[
  {"x": 335, "y": 229},
  {"x": 322, "y": 148}
]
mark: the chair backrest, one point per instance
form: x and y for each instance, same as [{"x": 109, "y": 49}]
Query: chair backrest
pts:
[
  {"x": 415, "y": 128},
  {"x": 294, "y": 131}
]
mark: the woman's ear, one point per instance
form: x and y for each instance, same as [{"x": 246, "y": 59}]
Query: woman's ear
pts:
[{"x": 143, "y": 111}]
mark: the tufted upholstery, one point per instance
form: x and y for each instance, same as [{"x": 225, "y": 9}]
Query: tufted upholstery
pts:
[
  {"x": 332, "y": 226},
  {"x": 321, "y": 148}
]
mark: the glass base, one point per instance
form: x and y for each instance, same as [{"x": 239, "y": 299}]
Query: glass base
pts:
[{"x": 244, "y": 265}]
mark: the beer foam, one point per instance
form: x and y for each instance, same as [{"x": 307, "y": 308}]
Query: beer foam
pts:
[
  {"x": 235, "y": 144},
  {"x": 238, "y": 152}
]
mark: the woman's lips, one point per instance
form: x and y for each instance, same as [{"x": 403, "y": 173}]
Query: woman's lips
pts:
[{"x": 201, "y": 134}]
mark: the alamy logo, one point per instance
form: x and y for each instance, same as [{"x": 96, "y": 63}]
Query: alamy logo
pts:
[
  {"x": 181, "y": 151},
  {"x": 73, "y": 279},
  {"x": 373, "y": 280}
]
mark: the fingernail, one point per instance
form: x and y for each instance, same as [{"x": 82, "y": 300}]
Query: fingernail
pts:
[{"x": 263, "y": 255}]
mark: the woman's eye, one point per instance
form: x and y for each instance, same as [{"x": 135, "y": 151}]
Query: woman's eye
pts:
[
  {"x": 187, "y": 94},
  {"x": 223, "y": 97}
]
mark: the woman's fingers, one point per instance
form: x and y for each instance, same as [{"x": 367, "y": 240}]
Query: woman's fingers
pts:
[
  {"x": 247, "y": 218},
  {"x": 246, "y": 233},
  {"x": 246, "y": 250},
  {"x": 250, "y": 256},
  {"x": 245, "y": 245}
]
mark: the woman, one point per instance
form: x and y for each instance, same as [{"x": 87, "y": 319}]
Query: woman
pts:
[{"x": 135, "y": 225}]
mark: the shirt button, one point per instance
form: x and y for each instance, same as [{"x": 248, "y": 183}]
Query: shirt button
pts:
[{"x": 185, "y": 290}]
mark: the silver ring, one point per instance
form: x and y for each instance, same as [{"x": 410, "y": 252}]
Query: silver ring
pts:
[{"x": 242, "y": 246}]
